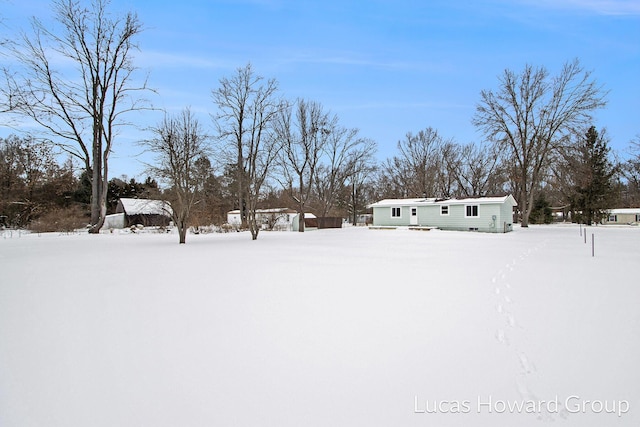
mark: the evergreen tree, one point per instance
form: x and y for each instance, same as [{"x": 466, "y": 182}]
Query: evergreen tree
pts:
[
  {"x": 594, "y": 182},
  {"x": 541, "y": 212}
]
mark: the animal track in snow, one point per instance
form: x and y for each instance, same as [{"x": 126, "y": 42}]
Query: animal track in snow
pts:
[
  {"x": 502, "y": 337},
  {"x": 509, "y": 331},
  {"x": 527, "y": 366}
]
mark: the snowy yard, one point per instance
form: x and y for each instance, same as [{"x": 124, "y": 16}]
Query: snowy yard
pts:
[{"x": 330, "y": 328}]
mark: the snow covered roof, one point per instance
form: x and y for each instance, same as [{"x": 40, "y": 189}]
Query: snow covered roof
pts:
[
  {"x": 433, "y": 201},
  {"x": 479, "y": 200},
  {"x": 266, "y": 211},
  {"x": 309, "y": 215},
  {"x": 145, "y": 207},
  {"x": 624, "y": 211},
  {"x": 401, "y": 202}
]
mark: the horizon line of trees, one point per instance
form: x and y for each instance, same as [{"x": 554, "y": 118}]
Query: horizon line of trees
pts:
[{"x": 540, "y": 143}]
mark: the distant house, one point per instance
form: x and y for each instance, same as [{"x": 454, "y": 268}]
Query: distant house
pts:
[
  {"x": 144, "y": 212},
  {"x": 487, "y": 214},
  {"x": 623, "y": 216},
  {"x": 280, "y": 219},
  {"x": 269, "y": 219}
]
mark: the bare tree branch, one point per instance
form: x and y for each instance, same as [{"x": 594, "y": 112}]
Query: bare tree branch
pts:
[
  {"x": 531, "y": 115},
  {"x": 76, "y": 83}
]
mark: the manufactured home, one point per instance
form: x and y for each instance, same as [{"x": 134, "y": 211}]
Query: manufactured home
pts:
[
  {"x": 277, "y": 219},
  {"x": 486, "y": 214},
  {"x": 623, "y": 216},
  {"x": 269, "y": 219}
]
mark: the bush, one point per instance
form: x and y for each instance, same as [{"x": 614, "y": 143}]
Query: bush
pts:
[{"x": 65, "y": 220}]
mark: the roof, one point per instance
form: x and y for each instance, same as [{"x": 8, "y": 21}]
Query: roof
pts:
[
  {"x": 624, "y": 211},
  {"x": 480, "y": 200},
  {"x": 432, "y": 201},
  {"x": 145, "y": 207},
  {"x": 401, "y": 202},
  {"x": 309, "y": 215},
  {"x": 266, "y": 211}
]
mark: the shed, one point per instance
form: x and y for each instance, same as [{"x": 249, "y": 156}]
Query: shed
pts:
[
  {"x": 487, "y": 214},
  {"x": 146, "y": 212},
  {"x": 310, "y": 222}
]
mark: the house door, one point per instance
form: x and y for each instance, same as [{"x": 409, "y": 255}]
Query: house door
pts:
[{"x": 413, "y": 219}]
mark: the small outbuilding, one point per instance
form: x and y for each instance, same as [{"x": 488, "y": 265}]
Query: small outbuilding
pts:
[
  {"x": 486, "y": 214},
  {"x": 144, "y": 212},
  {"x": 310, "y": 222}
]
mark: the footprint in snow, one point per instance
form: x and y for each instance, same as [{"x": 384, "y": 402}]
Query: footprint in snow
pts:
[
  {"x": 502, "y": 337},
  {"x": 526, "y": 365}
]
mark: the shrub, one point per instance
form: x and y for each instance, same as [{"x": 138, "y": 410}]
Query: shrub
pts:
[{"x": 65, "y": 220}]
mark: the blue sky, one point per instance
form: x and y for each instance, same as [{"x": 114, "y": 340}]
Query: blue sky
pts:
[{"x": 384, "y": 67}]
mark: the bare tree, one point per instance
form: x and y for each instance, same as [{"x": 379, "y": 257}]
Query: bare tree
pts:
[
  {"x": 418, "y": 164},
  {"x": 304, "y": 137},
  {"x": 531, "y": 115},
  {"x": 343, "y": 153},
  {"x": 76, "y": 83},
  {"x": 179, "y": 144},
  {"x": 248, "y": 106},
  {"x": 360, "y": 182},
  {"x": 630, "y": 170},
  {"x": 474, "y": 169},
  {"x": 31, "y": 181}
]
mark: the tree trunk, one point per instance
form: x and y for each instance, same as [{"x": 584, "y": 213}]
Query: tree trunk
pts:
[
  {"x": 96, "y": 191},
  {"x": 528, "y": 205},
  {"x": 253, "y": 224},
  {"x": 182, "y": 232}
]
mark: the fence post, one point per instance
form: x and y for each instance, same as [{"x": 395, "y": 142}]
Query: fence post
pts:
[{"x": 593, "y": 245}]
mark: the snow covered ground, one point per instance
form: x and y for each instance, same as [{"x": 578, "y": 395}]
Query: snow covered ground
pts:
[{"x": 350, "y": 327}]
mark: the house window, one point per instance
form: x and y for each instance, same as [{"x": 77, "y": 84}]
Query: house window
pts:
[
  {"x": 614, "y": 218},
  {"x": 396, "y": 212},
  {"x": 444, "y": 210},
  {"x": 637, "y": 217},
  {"x": 471, "y": 211}
]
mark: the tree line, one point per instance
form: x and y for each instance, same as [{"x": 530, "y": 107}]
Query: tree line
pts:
[{"x": 539, "y": 140}]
